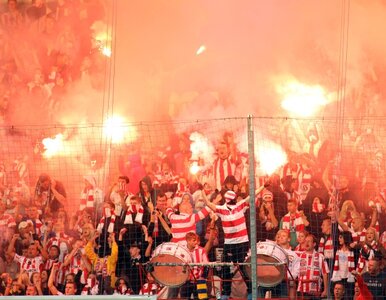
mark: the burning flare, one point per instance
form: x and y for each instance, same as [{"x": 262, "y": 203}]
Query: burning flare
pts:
[
  {"x": 201, "y": 148},
  {"x": 115, "y": 129},
  {"x": 53, "y": 146},
  {"x": 271, "y": 157},
  {"x": 300, "y": 99}
]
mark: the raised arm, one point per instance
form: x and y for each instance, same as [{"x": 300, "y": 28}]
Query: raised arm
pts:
[
  {"x": 11, "y": 246},
  {"x": 51, "y": 279}
]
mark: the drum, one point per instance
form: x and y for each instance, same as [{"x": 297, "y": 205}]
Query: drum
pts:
[
  {"x": 269, "y": 252},
  {"x": 173, "y": 276}
]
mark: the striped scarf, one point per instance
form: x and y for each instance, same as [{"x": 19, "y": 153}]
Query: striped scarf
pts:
[
  {"x": 293, "y": 223},
  {"x": 310, "y": 273},
  {"x": 336, "y": 276},
  {"x": 131, "y": 210},
  {"x": 326, "y": 247},
  {"x": 86, "y": 199},
  {"x": 367, "y": 252},
  {"x": 359, "y": 236},
  {"x": 108, "y": 213},
  {"x": 149, "y": 289}
]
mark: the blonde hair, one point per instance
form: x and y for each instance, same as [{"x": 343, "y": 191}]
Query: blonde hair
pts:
[
  {"x": 345, "y": 206},
  {"x": 376, "y": 234}
]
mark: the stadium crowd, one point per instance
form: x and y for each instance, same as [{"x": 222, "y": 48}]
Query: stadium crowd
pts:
[{"x": 334, "y": 239}]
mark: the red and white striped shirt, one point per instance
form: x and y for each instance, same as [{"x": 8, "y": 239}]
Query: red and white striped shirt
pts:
[
  {"x": 198, "y": 256},
  {"x": 149, "y": 289},
  {"x": 30, "y": 265},
  {"x": 233, "y": 222},
  {"x": 221, "y": 169},
  {"x": 293, "y": 223},
  {"x": 359, "y": 237},
  {"x": 76, "y": 265},
  {"x": 184, "y": 223},
  {"x": 326, "y": 247},
  {"x": 312, "y": 267}
]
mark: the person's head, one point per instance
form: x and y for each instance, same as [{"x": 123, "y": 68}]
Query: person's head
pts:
[
  {"x": 32, "y": 212},
  {"x": 301, "y": 237},
  {"x": 144, "y": 186},
  {"x": 267, "y": 197},
  {"x": 222, "y": 150},
  {"x": 229, "y": 182},
  {"x": 326, "y": 226},
  {"x": 339, "y": 291},
  {"x": 31, "y": 290},
  {"x": 122, "y": 284},
  {"x": 70, "y": 288},
  {"x": 345, "y": 238},
  {"x": 186, "y": 206},
  {"x": 161, "y": 202},
  {"x": 35, "y": 277},
  {"x": 16, "y": 286},
  {"x": 373, "y": 266},
  {"x": 371, "y": 235},
  {"x": 123, "y": 181},
  {"x": 192, "y": 240},
  {"x": 283, "y": 238},
  {"x": 44, "y": 181},
  {"x": 70, "y": 278},
  {"x": 53, "y": 252},
  {"x": 310, "y": 242},
  {"x": 292, "y": 206},
  {"x": 33, "y": 250},
  {"x": 44, "y": 275},
  {"x": 358, "y": 223},
  {"x": 135, "y": 200},
  {"x": 348, "y": 206},
  {"x": 134, "y": 250},
  {"x": 87, "y": 231},
  {"x": 230, "y": 197}
]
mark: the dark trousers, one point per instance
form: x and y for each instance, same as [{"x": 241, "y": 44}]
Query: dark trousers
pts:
[
  {"x": 188, "y": 289},
  {"x": 235, "y": 253}
]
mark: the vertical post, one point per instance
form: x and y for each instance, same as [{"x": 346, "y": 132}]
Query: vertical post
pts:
[{"x": 252, "y": 207}]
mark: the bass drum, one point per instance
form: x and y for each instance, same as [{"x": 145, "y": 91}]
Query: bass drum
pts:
[
  {"x": 269, "y": 252},
  {"x": 173, "y": 276}
]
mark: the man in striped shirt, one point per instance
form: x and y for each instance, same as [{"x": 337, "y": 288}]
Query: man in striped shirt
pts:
[
  {"x": 185, "y": 221},
  {"x": 198, "y": 256},
  {"x": 236, "y": 241},
  {"x": 34, "y": 259},
  {"x": 313, "y": 268}
]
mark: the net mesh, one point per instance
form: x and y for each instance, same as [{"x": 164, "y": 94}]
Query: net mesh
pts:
[{"x": 180, "y": 157}]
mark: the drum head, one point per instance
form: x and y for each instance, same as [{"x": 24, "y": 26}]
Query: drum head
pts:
[
  {"x": 269, "y": 276},
  {"x": 173, "y": 276}
]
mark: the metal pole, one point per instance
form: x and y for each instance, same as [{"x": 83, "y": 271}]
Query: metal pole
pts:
[{"x": 252, "y": 207}]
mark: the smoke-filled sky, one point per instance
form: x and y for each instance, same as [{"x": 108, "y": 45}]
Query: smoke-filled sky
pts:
[{"x": 250, "y": 47}]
